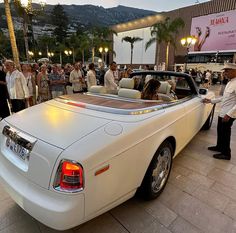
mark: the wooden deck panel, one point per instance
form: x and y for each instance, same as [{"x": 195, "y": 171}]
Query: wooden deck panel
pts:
[{"x": 111, "y": 103}]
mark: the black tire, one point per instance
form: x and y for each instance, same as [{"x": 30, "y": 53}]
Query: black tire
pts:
[
  {"x": 208, "y": 123},
  {"x": 158, "y": 172}
]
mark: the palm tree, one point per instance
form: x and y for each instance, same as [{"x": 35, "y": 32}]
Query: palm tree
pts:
[
  {"x": 165, "y": 31},
  {"x": 12, "y": 34},
  {"x": 131, "y": 40}
]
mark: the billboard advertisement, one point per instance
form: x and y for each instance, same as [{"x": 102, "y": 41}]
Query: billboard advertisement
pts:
[{"x": 215, "y": 32}]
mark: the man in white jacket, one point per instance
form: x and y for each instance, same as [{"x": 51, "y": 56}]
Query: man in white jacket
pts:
[
  {"x": 227, "y": 114},
  {"x": 109, "y": 79},
  {"x": 17, "y": 87}
]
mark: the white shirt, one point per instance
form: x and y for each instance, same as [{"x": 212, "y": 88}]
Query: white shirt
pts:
[
  {"x": 76, "y": 80},
  {"x": 16, "y": 85},
  {"x": 109, "y": 80},
  {"x": 228, "y": 105},
  {"x": 91, "y": 79}
]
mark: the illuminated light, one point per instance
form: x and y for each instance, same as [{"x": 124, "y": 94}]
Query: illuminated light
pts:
[
  {"x": 71, "y": 176},
  {"x": 183, "y": 41},
  {"x": 24, "y": 3},
  {"x": 189, "y": 40},
  {"x": 194, "y": 40},
  {"x": 106, "y": 50},
  {"x": 72, "y": 166},
  {"x": 42, "y": 3}
]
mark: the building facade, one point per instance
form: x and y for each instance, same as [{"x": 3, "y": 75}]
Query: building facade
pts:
[{"x": 212, "y": 23}]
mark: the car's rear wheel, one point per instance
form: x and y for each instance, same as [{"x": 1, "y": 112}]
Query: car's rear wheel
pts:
[
  {"x": 209, "y": 120},
  {"x": 158, "y": 172}
]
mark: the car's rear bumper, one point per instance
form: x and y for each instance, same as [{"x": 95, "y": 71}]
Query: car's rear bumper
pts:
[{"x": 57, "y": 210}]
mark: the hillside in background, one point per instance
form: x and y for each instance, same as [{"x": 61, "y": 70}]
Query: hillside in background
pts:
[{"x": 87, "y": 15}]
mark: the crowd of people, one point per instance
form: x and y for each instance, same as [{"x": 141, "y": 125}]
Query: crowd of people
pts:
[{"x": 32, "y": 84}]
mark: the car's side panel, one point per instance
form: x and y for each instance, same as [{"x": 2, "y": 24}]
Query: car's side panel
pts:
[{"x": 127, "y": 154}]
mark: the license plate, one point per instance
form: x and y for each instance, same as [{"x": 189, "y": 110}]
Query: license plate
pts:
[{"x": 19, "y": 150}]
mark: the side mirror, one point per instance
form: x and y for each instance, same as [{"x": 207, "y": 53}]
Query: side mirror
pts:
[{"x": 202, "y": 91}]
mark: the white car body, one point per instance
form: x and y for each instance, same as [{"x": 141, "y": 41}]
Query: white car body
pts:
[{"x": 113, "y": 146}]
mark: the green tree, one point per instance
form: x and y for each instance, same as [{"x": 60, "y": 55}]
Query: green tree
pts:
[
  {"x": 131, "y": 40},
  {"x": 5, "y": 46},
  {"x": 165, "y": 31},
  {"x": 61, "y": 21}
]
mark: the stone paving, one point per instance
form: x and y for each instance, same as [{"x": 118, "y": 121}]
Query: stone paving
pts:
[{"x": 200, "y": 197}]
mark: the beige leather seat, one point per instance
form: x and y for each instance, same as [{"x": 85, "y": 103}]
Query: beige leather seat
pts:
[
  {"x": 126, "y": 89},
  {"x": 164, "y": 91},
  {"x": 97, "y": 89}
]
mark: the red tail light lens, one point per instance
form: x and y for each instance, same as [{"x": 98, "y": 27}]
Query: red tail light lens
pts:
[{"x": 69, "y": 177}]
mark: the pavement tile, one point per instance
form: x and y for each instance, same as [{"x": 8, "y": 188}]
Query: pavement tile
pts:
[
  {"x": 206, "y": 157},
  {"x": 200, "y": 179},
  {"x": 201, "y": 215},
  {"x": 211, "y": 198},
  {"x": 227, "y": 191},
  {"x": 180, "y": 170},
  {"x": 233, "y": 170},
  {"x": 102, "y": 224},
  {"x": 10, "y": 213},
  {"x": 231, "y": 228},
  {"x": 28, "y": 226},
  {"x": 160, "y": 212},
  {"x": 3, "y": 194},
  {"x": 230, "y": 209},
  {"x": 136, "y": 219},
  {"x": 180, "y": 225},
  {"x": 225, "y": 178},
  {"x": 183, "y": 182},
  {"x": 193, "y": 164}
]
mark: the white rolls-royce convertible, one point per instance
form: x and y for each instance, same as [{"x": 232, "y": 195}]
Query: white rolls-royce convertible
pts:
[{"x": 77, "y": 156}]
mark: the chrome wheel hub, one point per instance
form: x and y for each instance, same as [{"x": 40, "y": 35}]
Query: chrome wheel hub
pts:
[{"x": 161, "y": 172}]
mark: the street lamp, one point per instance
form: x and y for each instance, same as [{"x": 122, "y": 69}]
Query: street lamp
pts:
[
  {"x": 187, "y": 42},
  {"x": 50, "y": 54},
  {"x": 31, "y": 54},
  {"x": 68, "y": 53},
  {"x": 40, "y": 53},
  {"x": 103, "y": 52}
]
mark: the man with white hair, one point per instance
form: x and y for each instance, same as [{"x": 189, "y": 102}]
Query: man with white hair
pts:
[
  {"x": 227, "y": 114},
  {"x": 17, "y": 87}
]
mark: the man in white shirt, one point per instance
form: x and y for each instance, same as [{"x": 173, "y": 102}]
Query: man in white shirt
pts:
[
  {"x": 109, "y": 79},
  {"x": 227, "y": 114},
  {"x": 77, "y": 79},
  {"x": 17, "y": 87}
]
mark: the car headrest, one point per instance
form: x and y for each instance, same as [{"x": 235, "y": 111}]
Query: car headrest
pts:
[
  {"x": 129, "y": 93},
  {"x": 97, "y": 89},
  {"x": 164, "y": 88},
  {"x": 126, "y": 83}
]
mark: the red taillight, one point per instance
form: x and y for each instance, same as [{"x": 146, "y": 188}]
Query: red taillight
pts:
[{"x": 69, "y": 177}]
